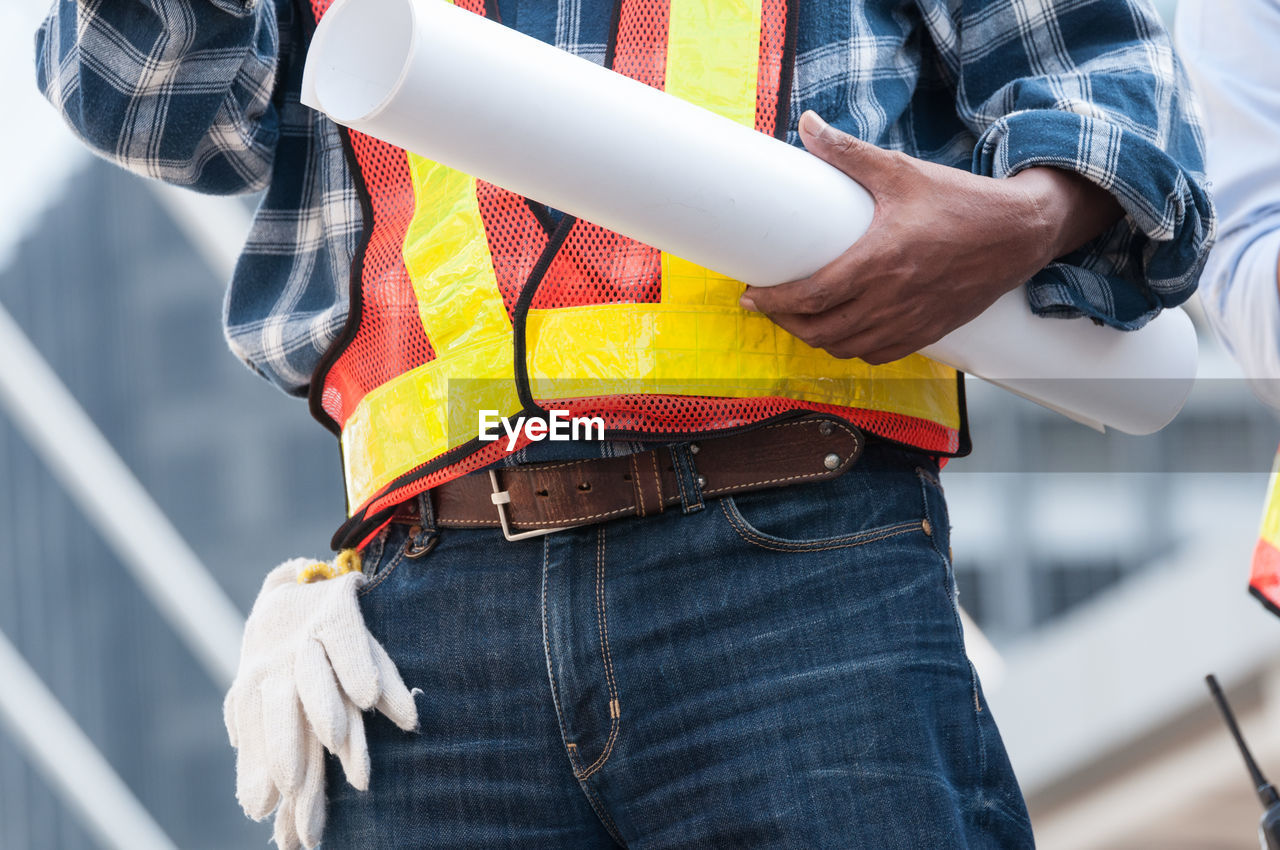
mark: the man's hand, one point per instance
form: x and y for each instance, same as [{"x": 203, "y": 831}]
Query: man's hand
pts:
[{"x": 943, "y": 245}]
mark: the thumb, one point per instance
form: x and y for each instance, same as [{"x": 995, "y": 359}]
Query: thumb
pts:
[{"x": 862, "y": 161}]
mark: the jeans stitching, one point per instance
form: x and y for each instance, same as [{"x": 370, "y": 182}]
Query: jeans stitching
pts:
[
  {"x": 598, "y": 805},
  {"x": 924, "y": 473},
  {"x": 848, "y": 541},
  {"x": 570, "y": 749},
  {"x": 546, "y": 648},
  {"x": 372, "y": 553},
  {"x": 677, "y": 464},
  {"x": 926, "y": 480},
  {"x": 606, "y": 657},
  {"x": 382, "y": 574}
]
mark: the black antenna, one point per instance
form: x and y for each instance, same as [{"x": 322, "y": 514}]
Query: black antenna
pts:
[{"x": 1266, "y": 792}]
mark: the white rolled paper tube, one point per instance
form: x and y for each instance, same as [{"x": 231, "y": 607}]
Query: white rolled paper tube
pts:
[
  {"x": 484, "y": 99},
  {"x": 1133, "y": 381},
  {"x": 479, "y": 97}
]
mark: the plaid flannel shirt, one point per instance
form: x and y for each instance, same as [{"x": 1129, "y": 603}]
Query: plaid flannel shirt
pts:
[{"x": 204, "y": 93}]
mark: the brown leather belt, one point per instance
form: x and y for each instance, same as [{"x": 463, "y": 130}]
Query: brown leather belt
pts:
[{"x": 537, "y": 499}]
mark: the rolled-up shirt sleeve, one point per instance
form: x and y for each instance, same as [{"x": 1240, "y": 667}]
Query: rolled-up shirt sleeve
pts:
[
  {"x": 178, "y": 90},
  {"x": 1092, "y": 87},
  {"x": 1230, "y": 50}
]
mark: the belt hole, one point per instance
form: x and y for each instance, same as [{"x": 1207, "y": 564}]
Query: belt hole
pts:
[
  {"x": 626, "y": 476},
  {"x": 542, "y": 493},
  {"x": 584, "y": 486}
]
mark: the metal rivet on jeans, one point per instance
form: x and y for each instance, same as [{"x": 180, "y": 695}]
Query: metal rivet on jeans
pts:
[
  {"x": 694, "y": 448},
  {"x": 826, "y": 428},
  {"x": 702, "y": 481},
  {"x": 416, "y": 548},
  {"x": 926, "y": 527},
  {"x": 831, "y": 461}
]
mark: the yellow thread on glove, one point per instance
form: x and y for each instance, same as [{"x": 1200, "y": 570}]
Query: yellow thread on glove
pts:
[{"x": 348, "y": 561}]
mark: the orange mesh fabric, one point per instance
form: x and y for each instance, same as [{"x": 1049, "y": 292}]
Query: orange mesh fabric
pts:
[
  {"x": 773, "y": 40},
  {"x": 516, "y": 239},
  {"x": 640, "y": 51},
  {"x": 390, "y": 339},
  {"x": 598, "y": 266},
  {"x": 667, "y": 414},
  {"x": 595, "y": 265},
  {"x": 1264, "y": 579}
]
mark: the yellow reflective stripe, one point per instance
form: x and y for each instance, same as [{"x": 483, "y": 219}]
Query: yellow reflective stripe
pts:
[
  {"x": 399, "y": 424},
  {"x": 1270, "y": 530},
  {"x": 713, "y": 61},
  {"x": 415, "y": 416},
  {"x": 713, "y": 55},
  {"x": 447, "y": 255},
  {"x": 684, "y": 282},
  {"x": 727, "y": 352}
]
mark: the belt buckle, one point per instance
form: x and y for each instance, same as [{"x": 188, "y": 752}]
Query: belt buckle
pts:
[{"x": 501, "y": 498}]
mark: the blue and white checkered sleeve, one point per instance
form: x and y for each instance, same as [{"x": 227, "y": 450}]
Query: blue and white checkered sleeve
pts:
[
  {"x": 1094, "y": 87},
  {"x": 178, "y": 90}
]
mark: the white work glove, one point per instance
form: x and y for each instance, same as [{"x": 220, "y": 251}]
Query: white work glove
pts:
[{"x": 308, "y": 667}]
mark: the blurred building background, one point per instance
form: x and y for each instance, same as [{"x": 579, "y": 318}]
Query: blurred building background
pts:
[{"x": 1108, "y": 571}]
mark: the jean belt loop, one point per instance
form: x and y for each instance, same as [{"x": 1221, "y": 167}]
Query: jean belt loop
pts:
[
  {"x": 426, "y": 514},
  {"x": 682, "y": 459},
  {"x": 423, "y": 537}
]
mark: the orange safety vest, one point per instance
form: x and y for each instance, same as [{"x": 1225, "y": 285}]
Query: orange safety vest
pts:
[
  {"x": 465, "y": 298},
  {"x": 1264, "y": 577}
]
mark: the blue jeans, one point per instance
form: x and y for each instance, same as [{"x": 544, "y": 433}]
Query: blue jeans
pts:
[{"x": 782, "y": 668}]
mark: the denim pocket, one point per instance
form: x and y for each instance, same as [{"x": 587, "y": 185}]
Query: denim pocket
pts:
[
  {"x": 860, "y": 507},
  {"x": 381, "y": 557}
]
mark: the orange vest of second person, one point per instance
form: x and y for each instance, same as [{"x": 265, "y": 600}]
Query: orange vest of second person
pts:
[
  {"x": 469, "y": 298},
  {"x": 1264, "y": 577}
]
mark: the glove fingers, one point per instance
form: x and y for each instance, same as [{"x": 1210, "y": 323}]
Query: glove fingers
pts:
[
  {"x": 286, "y": 831},
  {"x": 354, "y": 754},
  {"x": 256, "y": 792},
  {"x": 309, "y": 808},
  {"x": 396, "y": 702},
  {"x": 286, "y": 733},
  {"x": 322, "y": 701},
  {"x": 346, "y": 640}
]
